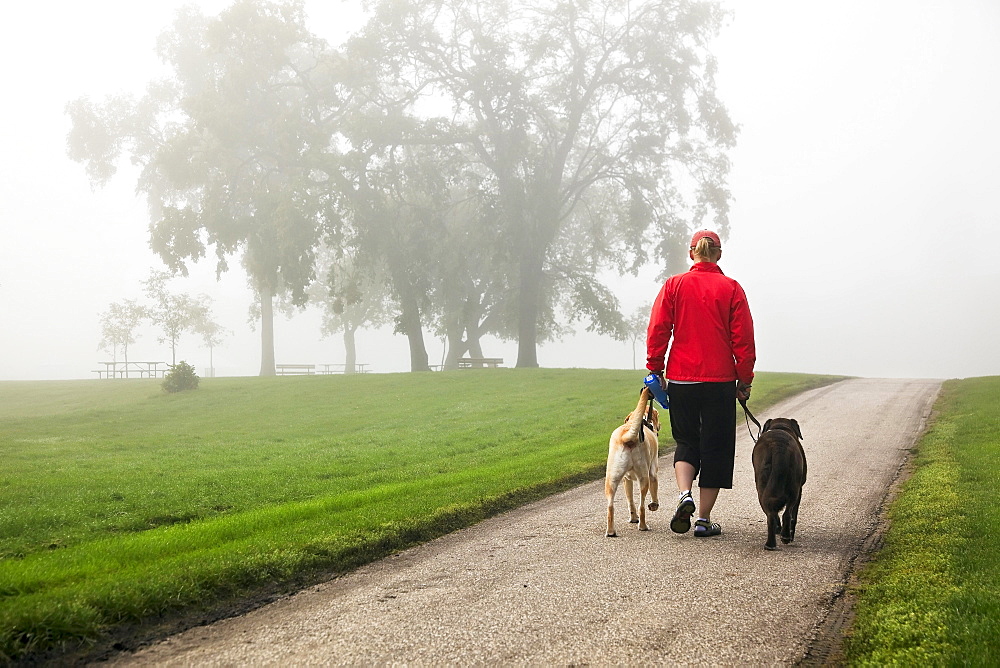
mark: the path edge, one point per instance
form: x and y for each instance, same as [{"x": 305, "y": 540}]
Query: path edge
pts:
[{"x": 825, "y": 646}]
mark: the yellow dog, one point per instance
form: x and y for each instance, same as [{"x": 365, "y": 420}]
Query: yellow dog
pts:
[{"x": 633, "y": 454}]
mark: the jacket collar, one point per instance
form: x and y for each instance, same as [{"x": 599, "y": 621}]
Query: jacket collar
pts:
[{"x": 706, "y": 266}]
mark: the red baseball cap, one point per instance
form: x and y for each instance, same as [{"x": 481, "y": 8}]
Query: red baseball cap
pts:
[{"x": 712, "y": 237}]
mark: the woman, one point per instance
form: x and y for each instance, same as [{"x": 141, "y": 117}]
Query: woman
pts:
[{"x": 710, "y": 366}]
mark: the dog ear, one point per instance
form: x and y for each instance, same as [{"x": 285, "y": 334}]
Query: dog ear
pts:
[
  {"x": 798, "y": 432},
  {"x": 767, "y": 425}
]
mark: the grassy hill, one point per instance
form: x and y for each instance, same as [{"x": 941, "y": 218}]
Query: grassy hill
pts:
[{"x": 120, "y": 504}]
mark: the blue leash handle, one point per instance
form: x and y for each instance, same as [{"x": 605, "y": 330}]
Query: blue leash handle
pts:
[{"x": 652, "y": 381}]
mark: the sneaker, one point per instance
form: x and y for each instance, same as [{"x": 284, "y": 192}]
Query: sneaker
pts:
[
  {"x": 704, "y": 528},
  {"x": 681, "y": 521}
]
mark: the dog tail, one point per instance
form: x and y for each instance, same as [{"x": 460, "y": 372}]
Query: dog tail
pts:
[{"x": 631, "y": 435}]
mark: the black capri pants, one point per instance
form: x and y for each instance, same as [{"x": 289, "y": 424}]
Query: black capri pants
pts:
[{"x": 703, "y": 423}]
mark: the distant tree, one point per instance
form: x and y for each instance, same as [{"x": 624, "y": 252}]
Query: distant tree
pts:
[
  {"x": 406, "y": 239},
  {"x": 118, "y": 327},
  {"x": 406, "y": 235},
  {"x": 594, "y": 126},
  {"x": 414, "y": 214},
  {"x": 174, "y": 314},
  {"x": 396, "y": 206},
  {"x": 472, "y": 299},
  {"x": 211, "y": 332},
  {"x": 225, "y": 146},
  {"x": 351, "y": 298},
  {"x": 635, "y": 328}
]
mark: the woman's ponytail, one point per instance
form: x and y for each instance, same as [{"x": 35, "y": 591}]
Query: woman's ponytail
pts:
[{"x": 705, "y": 251}]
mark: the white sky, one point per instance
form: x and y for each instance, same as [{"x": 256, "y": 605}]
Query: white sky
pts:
[{"x": 864, "y": 225}]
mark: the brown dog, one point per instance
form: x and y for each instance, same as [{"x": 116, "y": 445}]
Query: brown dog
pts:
[
  {"x": 779, "y": 465},
  {"x": 633, "y": 456}
]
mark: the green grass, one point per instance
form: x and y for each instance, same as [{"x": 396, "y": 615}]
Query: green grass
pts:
[
  {"x": 932, "y": 596},
  {"x": 120, "y": 503}
]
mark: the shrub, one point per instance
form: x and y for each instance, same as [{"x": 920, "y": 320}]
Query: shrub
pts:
[{"x": 180, "y": 377}]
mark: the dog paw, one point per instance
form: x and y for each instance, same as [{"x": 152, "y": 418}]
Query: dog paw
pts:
[{"x": 654, "y": 506}]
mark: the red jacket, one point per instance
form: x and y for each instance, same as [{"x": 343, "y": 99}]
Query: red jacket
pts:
[{"x": 707, "y": 314}]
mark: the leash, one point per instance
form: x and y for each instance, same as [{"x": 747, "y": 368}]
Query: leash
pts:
[
  {"x": 748, "y": 416},
  {"x": 647, "y": 420}
]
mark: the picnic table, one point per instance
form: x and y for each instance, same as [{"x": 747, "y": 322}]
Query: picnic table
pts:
[
  {"x": 295, "y": 369},
  {"x": 359, "y": 367},
  {"x": 479, "y": 362},
  {"x": 132, "y": 370}
]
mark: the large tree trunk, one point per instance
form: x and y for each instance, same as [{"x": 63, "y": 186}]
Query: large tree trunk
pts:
[
  {"x": 351, "y": 349},
  {"x": 266, "y": 332},
  {"x": 464, "y": 334},
  {"x": 530, "y": 280},
  {"x": 456, "y": 348},
  {"x": 473, "y": 334},
  {"x": 536, "y": 208},
  {"x": 410, "y": 324}
]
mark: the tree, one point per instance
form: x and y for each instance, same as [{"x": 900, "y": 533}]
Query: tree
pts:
[
  {"x": 226, "y": 147},
  {"x": 471, "y": 300},
  {"x": 635, "y": 328},
  {"x": 397, "y": 203},
  {"x": 118, "y": 326},
  {"x": 174, "y": 314},
  {"x": 595, "y": 125},
  {"x": 352, "y": 298},
  {"x": 211, "y": 332},
  {"x": 399, "y": 234},
  {"x": 413, "y": 208}
]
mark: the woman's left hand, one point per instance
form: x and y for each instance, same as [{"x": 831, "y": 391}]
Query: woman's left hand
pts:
[{"x": 742, "y": 391}]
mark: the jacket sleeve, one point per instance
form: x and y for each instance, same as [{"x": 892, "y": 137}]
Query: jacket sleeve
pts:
[
  {"x": 660, "y": 328},
  {"x": 741, "y": 329}
]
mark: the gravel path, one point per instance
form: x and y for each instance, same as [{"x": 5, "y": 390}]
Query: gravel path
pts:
[{"x": 542, "y": 585}]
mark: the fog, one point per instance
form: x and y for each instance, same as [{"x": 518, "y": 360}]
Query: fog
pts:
[{"x": 864, "y": 223}]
